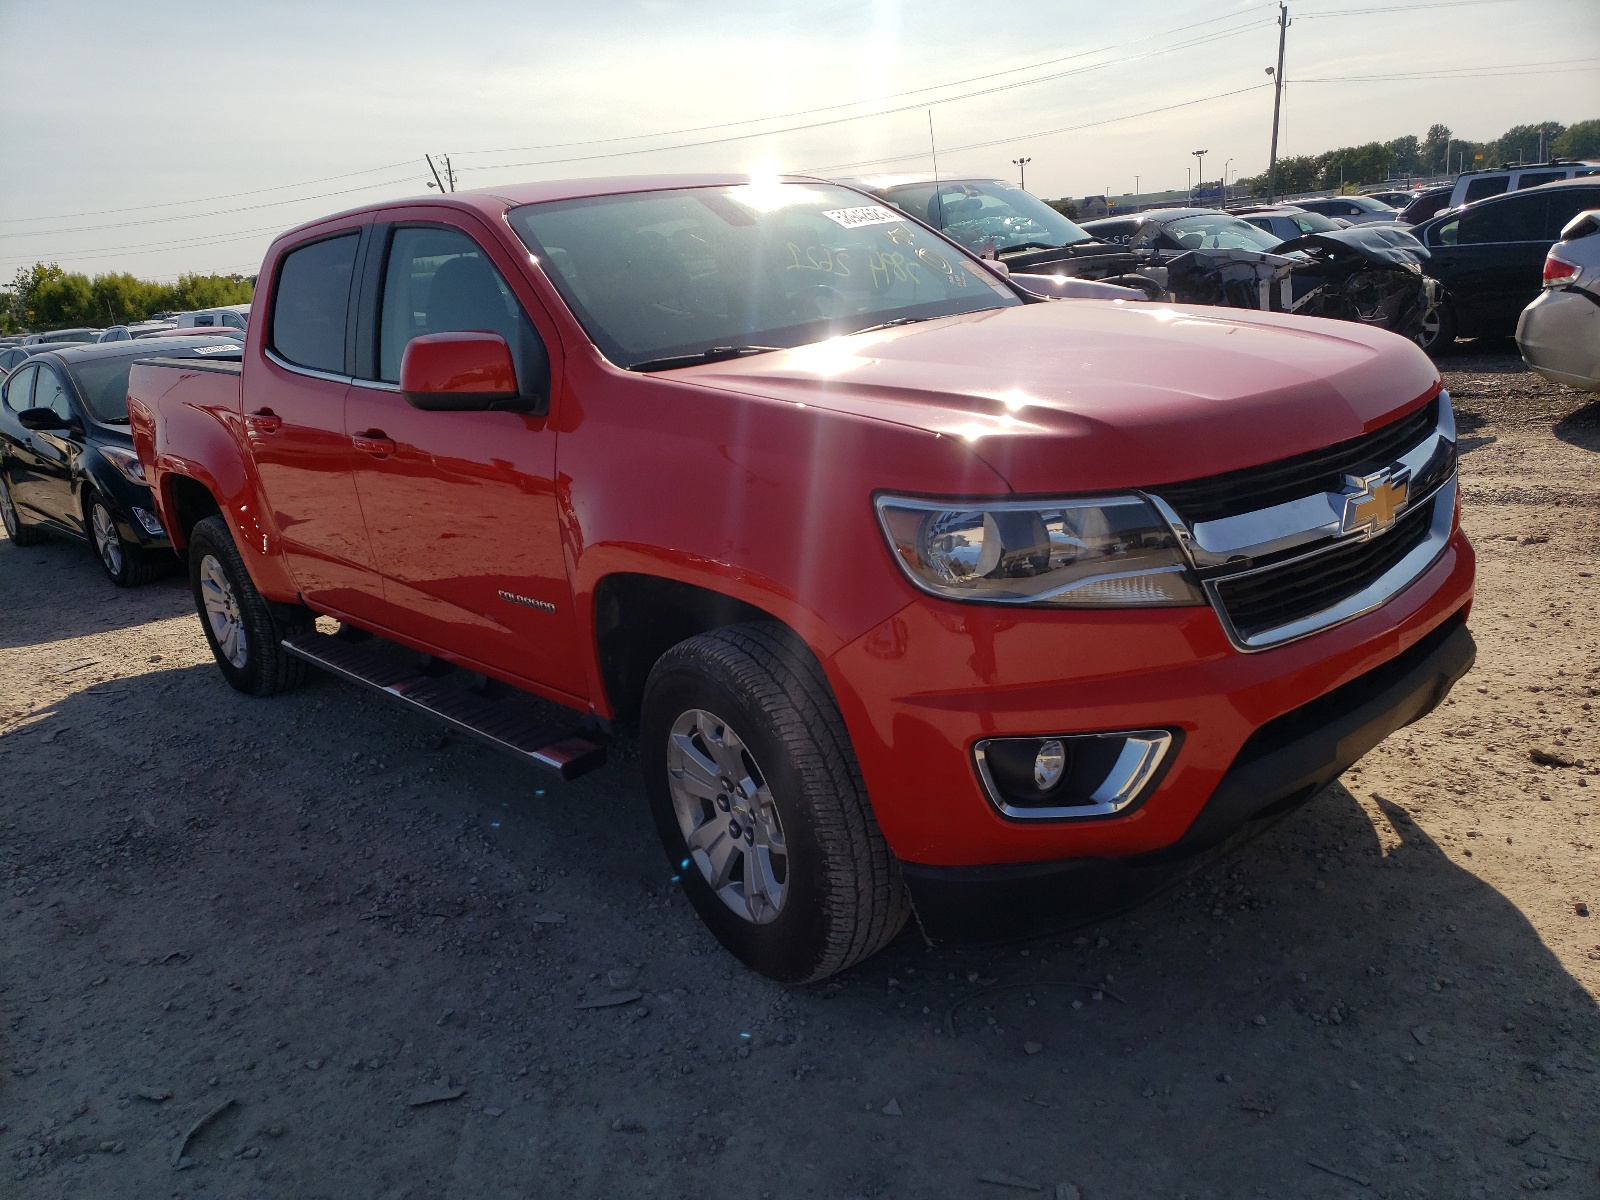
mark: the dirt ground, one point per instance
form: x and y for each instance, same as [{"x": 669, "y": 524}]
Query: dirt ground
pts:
[{"x": 316, "y": 910}]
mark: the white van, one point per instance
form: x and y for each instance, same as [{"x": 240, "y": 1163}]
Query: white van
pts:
[
  {"x": 1475, "y": 185},
  {"x": 232, "y": 316}
]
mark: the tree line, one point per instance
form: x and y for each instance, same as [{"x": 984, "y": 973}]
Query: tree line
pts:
[
  {"x": 1439, "y": 152},
  {"x": 44, "y": 296}
]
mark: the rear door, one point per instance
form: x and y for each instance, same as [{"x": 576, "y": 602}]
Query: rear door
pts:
[
  {"x": 293, "y": 400},
  {"x": 23, "y": 476},
  {"x": 1490, "y": 258},
  {"x": 462, "y": 507}
]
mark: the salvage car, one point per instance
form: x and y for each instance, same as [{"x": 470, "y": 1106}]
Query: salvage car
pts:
[
  {"x": 923, "y": 594},
  {"x": 67, "y": 464},
  {"x": 1559, "y": 333},
  {"x": 1188, "y": 255},
  {"x": 1488, "y": 257}
]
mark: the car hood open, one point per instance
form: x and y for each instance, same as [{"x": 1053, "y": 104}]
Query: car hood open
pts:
[{"x": 1089, "y": 395}]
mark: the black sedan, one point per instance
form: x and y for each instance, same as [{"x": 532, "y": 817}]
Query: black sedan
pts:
[
  {"x": 1488, "y": 257},
  {"x": 67, "y": 464}
]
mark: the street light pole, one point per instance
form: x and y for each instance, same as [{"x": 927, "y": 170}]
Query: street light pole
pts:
[
  {"x": 1188, "y": 173},
  {"x": 1022, "y": 170},
  {"x": 1225, "y": 167},
  {"x": 1200, "y": 170}
]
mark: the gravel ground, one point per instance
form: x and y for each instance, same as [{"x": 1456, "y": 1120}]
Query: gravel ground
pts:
[{"x": 318, "y": 912}]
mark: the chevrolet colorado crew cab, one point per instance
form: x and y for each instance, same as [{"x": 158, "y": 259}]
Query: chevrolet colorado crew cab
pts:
[{"x": 922, "y": 593}]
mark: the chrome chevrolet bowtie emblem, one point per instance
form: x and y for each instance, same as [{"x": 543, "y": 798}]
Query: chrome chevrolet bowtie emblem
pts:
[{"x": 1371, "y": 502}]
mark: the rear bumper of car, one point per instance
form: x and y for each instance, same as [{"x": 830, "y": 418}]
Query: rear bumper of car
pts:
[
  {"x": 1559, "y": 337},
  {"x": 1283, "y": 764},
  {"x": 921, "y": 690}
]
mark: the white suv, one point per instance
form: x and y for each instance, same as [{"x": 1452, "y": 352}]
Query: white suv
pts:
[{"x": 1476, "y": 185}]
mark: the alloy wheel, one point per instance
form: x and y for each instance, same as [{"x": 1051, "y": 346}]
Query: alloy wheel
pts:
[
  {"x": 222, "y": 611},
  {"x": 8, "y": 511},
  {"x": 726, "y": 813},
  {"x": 106, "y": 540},
  {"x": 1432, "y": 322}
]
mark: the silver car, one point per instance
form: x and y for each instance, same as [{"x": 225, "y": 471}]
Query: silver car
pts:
[{"x": 1559, "y": 333}]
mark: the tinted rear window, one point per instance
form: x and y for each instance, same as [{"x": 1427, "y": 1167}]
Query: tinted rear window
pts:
[
  {"x": 1479, "y": 188},
  {"x": 311, "y": 303}
]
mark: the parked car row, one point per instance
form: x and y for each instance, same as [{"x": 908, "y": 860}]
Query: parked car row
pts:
[{"x": 229, "y": 320}]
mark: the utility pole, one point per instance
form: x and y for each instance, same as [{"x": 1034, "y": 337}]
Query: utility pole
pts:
[
  {"x": 437, "y": 182},
  {"x": 1135, "y": 193},
  {"x": 1022, "y": 170},
  {"x": 449, "y": 173},
  {"x": 1277, "y": 101},
  {"x": 449, "y": 177}
]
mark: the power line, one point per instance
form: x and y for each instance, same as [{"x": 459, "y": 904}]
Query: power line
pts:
[
  {"x": 1255, "y": 87},
  {"x": 107, "y": 212},
  {"x": 934, "y": 87},
  {"x": 741, "y": 137},
  {"x": 1394, "y": 8},
  {"x": 221, "y": 212}
]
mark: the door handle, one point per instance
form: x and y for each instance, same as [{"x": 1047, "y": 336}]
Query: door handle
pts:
[
  {"x": 263, "y": 420},
  {"x": 373, "y": 441}
]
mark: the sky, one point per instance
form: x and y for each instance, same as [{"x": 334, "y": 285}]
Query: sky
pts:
[{"x": 160, "y": 140}]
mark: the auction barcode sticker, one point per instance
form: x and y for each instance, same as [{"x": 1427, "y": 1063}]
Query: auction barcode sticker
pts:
[{"x": 867, "y": 214}]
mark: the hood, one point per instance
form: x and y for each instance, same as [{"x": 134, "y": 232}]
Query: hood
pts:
[
  {"x": 1085, "y": 395},
  {"x": 1390, "y": 245}
]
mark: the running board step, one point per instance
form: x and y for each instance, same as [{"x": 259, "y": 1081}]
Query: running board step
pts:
[{"x": 545, "y": 744}]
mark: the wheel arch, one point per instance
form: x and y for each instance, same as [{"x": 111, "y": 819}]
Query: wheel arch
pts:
[{"x": 639, "y": 617}]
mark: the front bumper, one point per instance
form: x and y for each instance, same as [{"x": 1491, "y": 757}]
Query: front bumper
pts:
[
  {"x": 1283, "y": 764},
  {"x": 982, "y": 672}
]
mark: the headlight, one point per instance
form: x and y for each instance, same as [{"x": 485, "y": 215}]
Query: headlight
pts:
[
  {"x": 1107, "y": 552},
  {"x": 125, "y": 461}
]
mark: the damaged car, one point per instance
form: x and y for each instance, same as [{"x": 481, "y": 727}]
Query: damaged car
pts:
[{"x": 1371, "y": 275}]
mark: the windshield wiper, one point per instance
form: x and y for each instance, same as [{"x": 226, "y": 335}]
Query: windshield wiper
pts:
[
  {"x": 889, "y": 324},
  {"x": 710, "y": 354},
  {"x": 1029, "y": 246}
]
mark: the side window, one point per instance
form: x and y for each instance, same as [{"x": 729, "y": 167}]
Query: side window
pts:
[
  {"x": 1479, "y": 188},
  {"x": 440, "y": 281},
  {"x": 1530, "y": 179},
  {"x": 19, "y": 388},
  {"x": 1513, "y": 220},
  {"x": 233, "y": 320},
  {"x": 205, "y": 320},
  {"x": 1566, "y": 204},
  {"x": 51, "y": 392},
  {"x": 1447, "y": 234},
  {"x": 311, "y": 303}
]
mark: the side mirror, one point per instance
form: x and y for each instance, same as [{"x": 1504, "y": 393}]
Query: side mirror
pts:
[
  {"x": 999, "y": 268},
  {"x": 458, "y": 372},
  {"x": 42, "y": 419}
]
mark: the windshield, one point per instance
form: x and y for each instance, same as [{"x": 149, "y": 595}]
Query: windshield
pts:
[
  {"x": 987, "y": 217},
  {"x": 1372, "y": 205},
  {"x": 656, "y": 275},
  {"x": 1214, "y": 231}
]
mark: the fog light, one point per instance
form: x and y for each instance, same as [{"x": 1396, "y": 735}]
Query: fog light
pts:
[
  {"x": 152, "y": 525},
  {"x": 1073, "y": 776},
  {"x": 1049, "y": 764}
]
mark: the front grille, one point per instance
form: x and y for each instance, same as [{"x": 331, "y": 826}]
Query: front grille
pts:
[
  {"x": 1245, "y": 490},
  {"x": 1277, "y": 596}
]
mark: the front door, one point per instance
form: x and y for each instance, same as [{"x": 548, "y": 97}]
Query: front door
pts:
[
  {"x": 54, "y": 451},
  {"x": 461, "y": 506},
  {"x": 293, "y": 402}
]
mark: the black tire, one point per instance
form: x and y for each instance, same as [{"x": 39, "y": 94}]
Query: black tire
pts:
[
  {"x": 124, "y": 563},
  {"x": 256, "y": 664},
  {"x": 1437, "y": 337},
  {"x": 844, "y": 899},
  {"x": 20, "y": 533}
]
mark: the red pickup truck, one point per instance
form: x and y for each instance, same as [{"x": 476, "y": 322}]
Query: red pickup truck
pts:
[{"x": 922, "y": 593}]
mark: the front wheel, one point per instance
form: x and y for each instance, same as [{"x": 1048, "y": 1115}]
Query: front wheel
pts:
[
  {"x": 1438, "y": 332},
  {"x": 244, "y": 629},
  {"x": 760, "y": 804},
  {"x": 126, "y": 564}
]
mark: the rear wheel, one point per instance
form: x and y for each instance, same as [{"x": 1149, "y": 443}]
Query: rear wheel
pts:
[
  {"x": 1438, "y": 332},
  {"x": 21, "y": 534},
  {"x": 760, "y": 804},
  {"x": 244, "y": 629},
  {"x": 127, "y": 565}
]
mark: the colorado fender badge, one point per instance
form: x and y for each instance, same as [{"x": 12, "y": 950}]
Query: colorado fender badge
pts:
[{"x": 527, "y": 601}]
